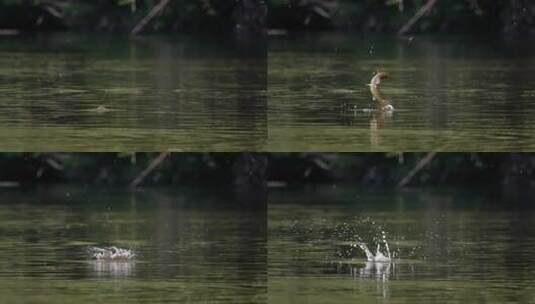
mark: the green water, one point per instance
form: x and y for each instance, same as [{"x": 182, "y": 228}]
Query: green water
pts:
[
  {"x": 450, "y": 93},
  {"x": 200, "y": 245},
  {"x": 308, "y": 93},
  {"x": 192, "y": 246},
  {"x": 163, "y": 93},
  {"x": 451, "y": 246}
]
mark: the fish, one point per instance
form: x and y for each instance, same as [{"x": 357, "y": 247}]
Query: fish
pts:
[{"x": 383, "y": 103}]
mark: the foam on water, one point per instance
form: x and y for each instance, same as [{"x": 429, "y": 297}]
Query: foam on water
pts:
[{"x": 111, "y": 254}]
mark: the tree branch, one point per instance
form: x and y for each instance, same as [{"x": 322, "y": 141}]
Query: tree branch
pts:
[
  {"x": 421, "y": 12},
  {"x": 158, "y": 8},
  {"x": 419, "y": 166},
  {"x": 153, "y": 165}
]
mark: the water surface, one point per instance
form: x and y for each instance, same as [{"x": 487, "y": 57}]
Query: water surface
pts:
[
  {"x": 163, "y": 93},
  {"x": 451, "y": 93},
  {"x": 451, "y": 246},
  {"x": 192, "y": 246}
]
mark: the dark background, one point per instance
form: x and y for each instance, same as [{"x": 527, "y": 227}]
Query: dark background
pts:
[
  {"x": 510, "y": 18},
  {"x": 253, "y": 170},
  {"x": 124, "y": 15},
  {"x": 501, "y": 17}
]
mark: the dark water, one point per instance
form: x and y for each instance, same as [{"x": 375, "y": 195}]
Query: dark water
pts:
[
  {"x": 451, "y": 246},
  {"x": 191, "y": 247},
  {"x": 450, "y": 93},
  {"x": 163, "y": 93}
]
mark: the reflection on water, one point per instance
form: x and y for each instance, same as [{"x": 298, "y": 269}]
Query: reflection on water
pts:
[
  {"x": 449, "y": 93},
  {"x": 377, "y": 121},
  {"x": 452, "y": 245},
  {"x": 379, "y": 270},
  {"x": 366, "y": 272},
  {"x": 191, "y": 245},
  {"x": 102, "y": 268},
  {"x": 115, "y": 93}
]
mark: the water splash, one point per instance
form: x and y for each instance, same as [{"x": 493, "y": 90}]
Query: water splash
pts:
[
  {"x": 379, "y": 255},
  {"x": 111, "y": 254},
  {"x": 380, "y": 265}
]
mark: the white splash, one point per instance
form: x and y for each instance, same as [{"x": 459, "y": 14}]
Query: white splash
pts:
[
  {"x": 111, "y": 254},
  {"x": 379, "y": 256}
]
